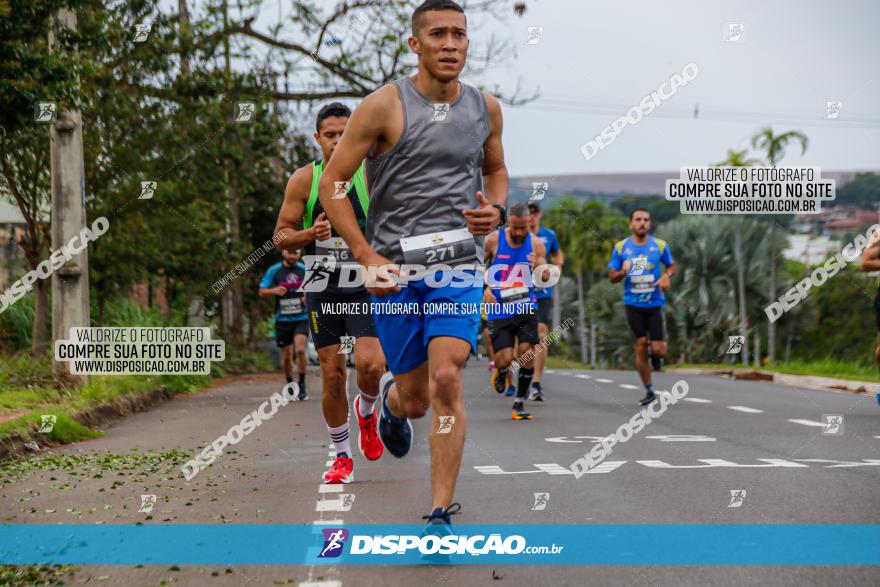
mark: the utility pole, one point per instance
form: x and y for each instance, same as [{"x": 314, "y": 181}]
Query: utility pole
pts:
[
  {"x": 740, "y": 286},
  {"x": 183, "y": 36},
  {"x": 70, "y": 283},
  {"x": 232, "y": 300}
]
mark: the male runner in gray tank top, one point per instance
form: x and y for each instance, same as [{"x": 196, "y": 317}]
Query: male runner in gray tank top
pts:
[{"x": 438, "y": 183}]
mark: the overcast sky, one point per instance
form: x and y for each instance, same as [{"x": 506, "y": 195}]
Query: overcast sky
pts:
[
  {"x": 794, "y": 57},
  {"x": 595, "y": 60}
]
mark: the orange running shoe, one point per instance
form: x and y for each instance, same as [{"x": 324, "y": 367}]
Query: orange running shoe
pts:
[
  {"x": 368, "y": 439},
  {"x": 342, "y": 471}
]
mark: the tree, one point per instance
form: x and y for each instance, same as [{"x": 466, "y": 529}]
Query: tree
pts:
[
  {"x": 740, "y": 159},
  {"x": 25, "y": 177},
  {"x": 774, "y": 145},
  {"x": 30, "y": 73},
  {"x": 702, "y": 301},
  {"x": 586, "y": 231},
  {"x": 863, "y": 191}
]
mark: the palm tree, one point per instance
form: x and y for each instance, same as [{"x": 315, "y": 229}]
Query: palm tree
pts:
[
  {"x": 702, "y": 302},
  {"x": 774, "y": 146},
  {"x": 739, "y": 159}
]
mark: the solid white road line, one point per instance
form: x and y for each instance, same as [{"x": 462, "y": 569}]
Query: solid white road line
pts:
[{"x": 745, "y": 409}]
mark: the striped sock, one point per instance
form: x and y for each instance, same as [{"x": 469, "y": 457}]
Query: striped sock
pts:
[
  {"x": 340, "y": 439},
  {"x": 366, "y": 403}
]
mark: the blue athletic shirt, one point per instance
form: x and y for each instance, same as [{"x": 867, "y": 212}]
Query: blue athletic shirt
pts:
[
  {"x": 551, "y": 244},
  {"x": 291, "y": 306},
  {"x": 514, "y": 280},
  {"x": 638, "y": 288}
]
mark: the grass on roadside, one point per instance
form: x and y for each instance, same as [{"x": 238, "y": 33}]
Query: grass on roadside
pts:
[
  {"x": 559, "y": 363},
  {"x": 27, "y": 393},
  {"x": 820, "y": 368}
]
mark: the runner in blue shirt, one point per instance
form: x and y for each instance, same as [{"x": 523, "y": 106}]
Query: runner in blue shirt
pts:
[
  {"x": 544, "y": 296},
  {"x": 636, "y": 260},
  {"x": 871, "y": 262},
  {"x": 284, "y": 281}
]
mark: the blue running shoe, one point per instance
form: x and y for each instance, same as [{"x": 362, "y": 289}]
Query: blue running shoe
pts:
[
  {"x": 511, "y": 391},
  {"x": 440, "y": 525},
  {"x": 396, "y": 434}
]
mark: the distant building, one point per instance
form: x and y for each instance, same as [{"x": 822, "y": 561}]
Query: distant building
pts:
[
  {"x": 12, "y": 228},
  {"x": 810, "y": 250}
]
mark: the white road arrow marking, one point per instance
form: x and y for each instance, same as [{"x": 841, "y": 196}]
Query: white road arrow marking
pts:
[
  {"x": 709, "y": 463},
  {"x": 866, "y": 463},
  {"x": 496, "y": 470}
]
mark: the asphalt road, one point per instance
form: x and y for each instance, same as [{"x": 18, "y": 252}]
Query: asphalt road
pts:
[{"x": 766, "y": 440}]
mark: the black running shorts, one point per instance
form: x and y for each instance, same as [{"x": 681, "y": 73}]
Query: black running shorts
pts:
[
  {"x": 646, "y": 321},
  {"x": 328, "y": 325},
  {"x": 545, "y": 310},
  {"x": 285, "y": 330},
  {"x": 505, "y": 331}
]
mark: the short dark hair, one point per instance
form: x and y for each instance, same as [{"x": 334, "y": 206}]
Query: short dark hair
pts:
[
  {"x": 519, "y": 210},
  {"x": 429, "y": 5},
  {"x": 534, "y": 207},
  {"x": 331, "y": 109},
  {"x": 633, "y": 213}
]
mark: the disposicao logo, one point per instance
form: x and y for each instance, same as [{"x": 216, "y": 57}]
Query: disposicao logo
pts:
[{"x": 334, "y": 540}]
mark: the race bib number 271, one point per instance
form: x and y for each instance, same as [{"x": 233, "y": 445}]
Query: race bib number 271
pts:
[{"x": 452, "y": 247}]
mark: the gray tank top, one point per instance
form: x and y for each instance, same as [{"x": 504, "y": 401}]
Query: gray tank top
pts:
[{"x": 425, "y": 181}]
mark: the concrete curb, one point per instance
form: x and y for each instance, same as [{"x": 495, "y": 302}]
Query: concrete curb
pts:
[{"x": 806, "y": 381}]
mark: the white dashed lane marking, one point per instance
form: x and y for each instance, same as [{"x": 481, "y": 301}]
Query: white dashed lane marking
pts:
[
  {"x": 808, "y": 423},
  {"x": 628, "y": 386},
  {"x": 745, "y": 409},
  {"x": 604, "y": 381},
  {"x": 328, "y": 488},
  {"x": 698, "y": 400},
  {"x": 321, "y": 584},
  {"x": 583, "y": 376}
]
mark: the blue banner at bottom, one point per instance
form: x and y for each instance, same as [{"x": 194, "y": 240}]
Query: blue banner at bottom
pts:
[{"x": 361, "y": 544}]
